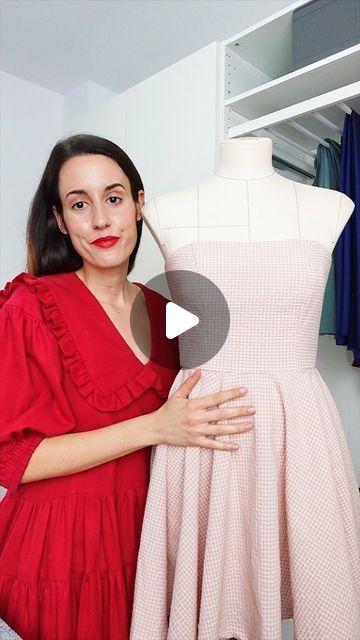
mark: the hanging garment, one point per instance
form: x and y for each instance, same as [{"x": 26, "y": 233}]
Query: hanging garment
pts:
[
  {"x": 232, "y": 542},
  {"x": 68, "y": 544},
  {"x": 327, "y": 169},
  {"x": 347, "y": 250}
]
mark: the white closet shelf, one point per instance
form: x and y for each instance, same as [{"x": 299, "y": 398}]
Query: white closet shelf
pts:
[
  {"x": 311, "y": 105},
  {"x": 328, "y": 74},
  {"x": 267, "y": 45},
  {"x": 261, "y": 94}
]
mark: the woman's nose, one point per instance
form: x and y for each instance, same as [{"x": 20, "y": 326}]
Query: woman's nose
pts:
[{"x": 101, "y": 218}]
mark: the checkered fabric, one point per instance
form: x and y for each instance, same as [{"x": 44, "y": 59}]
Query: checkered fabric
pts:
[{"x": 233, "y": 542}]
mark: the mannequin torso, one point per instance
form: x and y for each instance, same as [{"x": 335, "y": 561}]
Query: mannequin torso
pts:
[
  {"x": 244, "y": 526},
  {"x": 247, "y": 201}
]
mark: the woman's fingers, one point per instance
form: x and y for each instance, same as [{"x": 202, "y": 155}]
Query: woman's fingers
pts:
[
  {"x": 187, "y": 386},
  {"x": 218, "y": 398},
  {"x": 215, "y": 415},
  {"x": 214, "y": 430},
  {"x": 210, "y": 400},
  {"x": 193, "y": 422},
  {"x": 213, "y": 399},
  {"x": 208, "y": 443}
]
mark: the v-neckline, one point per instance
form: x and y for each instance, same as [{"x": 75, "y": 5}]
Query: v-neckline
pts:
[{"x": 113, "y": 328}]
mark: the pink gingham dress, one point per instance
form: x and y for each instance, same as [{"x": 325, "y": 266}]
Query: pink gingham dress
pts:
[{"x": 232, "y": 542}]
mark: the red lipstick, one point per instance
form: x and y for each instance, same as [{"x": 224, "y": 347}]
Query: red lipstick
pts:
[{"x": 106, "y": 242}]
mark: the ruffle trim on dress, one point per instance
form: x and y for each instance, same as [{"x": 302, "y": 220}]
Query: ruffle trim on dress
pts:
[
  {"x": 10, "y": 287},
  {"x": 128, "y": 391}
]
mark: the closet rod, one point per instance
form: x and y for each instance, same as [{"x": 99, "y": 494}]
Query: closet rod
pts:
[
  {"x": 260, "y": 133},
  {"x": 293, "y": 167},
  {"x": 290, "y": 142},
  {"x": 343, "y": 106},
  {"x": 326, "y": 121},
  {"x": 308, "y": 133}
]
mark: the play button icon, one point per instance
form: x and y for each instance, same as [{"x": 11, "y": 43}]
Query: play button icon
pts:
[
  {"x": 178, "y": 320},
  {"x": 190, "y": 314}
]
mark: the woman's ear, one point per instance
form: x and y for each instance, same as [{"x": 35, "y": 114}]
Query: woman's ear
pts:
[
  {"x": 59, "y": 221},
  {"x": 140, "y": 204}
]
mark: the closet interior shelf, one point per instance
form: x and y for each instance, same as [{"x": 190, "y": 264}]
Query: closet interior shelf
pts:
[{"x": 261, "y": 94}]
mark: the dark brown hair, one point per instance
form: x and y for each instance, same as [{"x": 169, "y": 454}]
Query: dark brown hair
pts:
[{"x": 49, "y": 250}]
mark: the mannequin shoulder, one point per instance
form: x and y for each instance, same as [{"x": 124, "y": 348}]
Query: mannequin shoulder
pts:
[
  {"x": 322, "y": 197},
  {"x": 174, "y": 209},
  {"x": 324, "y": 209}
]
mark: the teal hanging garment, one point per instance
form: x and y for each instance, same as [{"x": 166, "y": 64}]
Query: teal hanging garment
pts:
[{"x": 327, "y": 171}]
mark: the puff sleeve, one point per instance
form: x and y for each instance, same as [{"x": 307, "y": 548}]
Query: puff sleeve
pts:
[{"x": 33, "y": 404}]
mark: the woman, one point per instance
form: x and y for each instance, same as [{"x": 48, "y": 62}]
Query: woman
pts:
[{"x": 80, "y": 404}]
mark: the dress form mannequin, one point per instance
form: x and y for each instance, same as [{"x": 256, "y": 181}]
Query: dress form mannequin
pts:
[
  {"x": 231, "y": 545},
  {"x": 245, "y": 201}
]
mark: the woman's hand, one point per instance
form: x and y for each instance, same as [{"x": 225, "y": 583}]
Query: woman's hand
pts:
[{"x": 192, "y": 422}]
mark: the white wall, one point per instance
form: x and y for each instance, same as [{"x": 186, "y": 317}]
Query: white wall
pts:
[
  {"x": 31, "y": 122},
  {"x": 85, "y": 97},
  {"x": 167, "y": 125}
]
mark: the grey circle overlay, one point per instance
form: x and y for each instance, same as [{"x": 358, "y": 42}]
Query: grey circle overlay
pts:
[{"x": 198, "y": 295}]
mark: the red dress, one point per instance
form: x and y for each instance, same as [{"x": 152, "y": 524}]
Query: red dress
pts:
[{"x": 68, "y": 545}]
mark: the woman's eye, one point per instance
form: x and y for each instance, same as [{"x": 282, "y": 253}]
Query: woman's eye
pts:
[
  {"x": 76, "y": 203},
  {"x": 113, "y": 200}
]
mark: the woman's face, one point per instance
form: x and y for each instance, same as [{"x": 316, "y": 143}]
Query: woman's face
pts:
[{"x": 97, "y": 203}]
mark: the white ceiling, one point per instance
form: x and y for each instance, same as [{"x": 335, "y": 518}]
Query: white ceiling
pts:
[{"x": 59, "y": 44}]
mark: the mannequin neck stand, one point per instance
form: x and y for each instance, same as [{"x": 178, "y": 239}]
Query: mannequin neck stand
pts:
[{"x": 245, "y": 159}]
